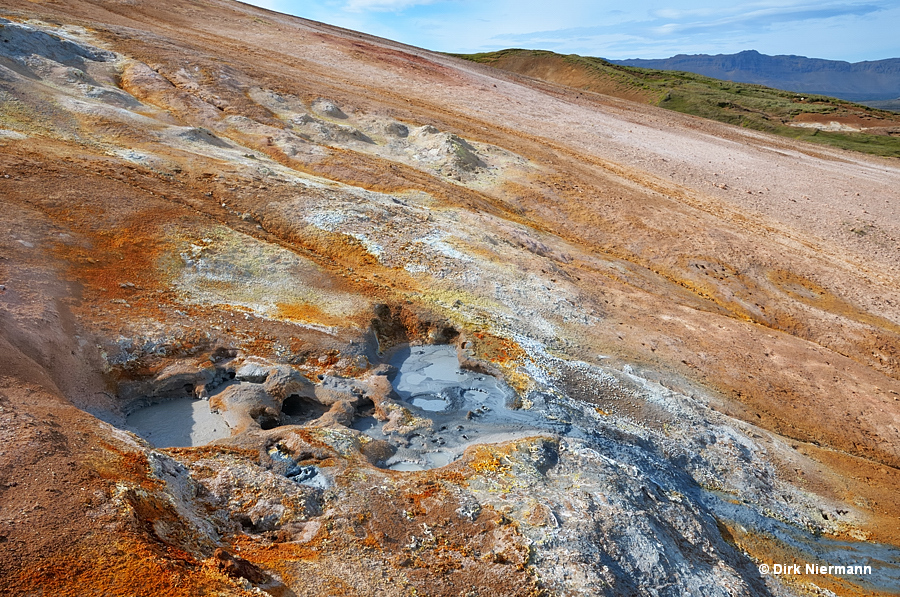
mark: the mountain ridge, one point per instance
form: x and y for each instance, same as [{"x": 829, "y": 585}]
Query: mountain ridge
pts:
[{"x": 855, "y": 81}]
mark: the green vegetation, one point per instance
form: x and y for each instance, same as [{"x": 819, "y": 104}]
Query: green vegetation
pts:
[
  {"x": 884, "y": 145},
  {"x": 752, "y": 106}
]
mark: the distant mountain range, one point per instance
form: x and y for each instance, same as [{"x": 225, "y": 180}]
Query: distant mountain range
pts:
[{"x": 857, "y": 81}]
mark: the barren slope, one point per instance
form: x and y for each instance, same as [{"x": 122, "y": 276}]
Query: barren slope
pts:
[
  {"x": 207, "y": 199},
  {"x": 812, "y": 118}
]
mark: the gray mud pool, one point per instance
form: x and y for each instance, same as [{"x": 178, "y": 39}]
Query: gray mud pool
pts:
[
  {"x": 464, "y": 407},
  {"x": 178, "y": 423}
]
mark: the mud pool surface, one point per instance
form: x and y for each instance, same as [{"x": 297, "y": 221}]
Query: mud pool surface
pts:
[
  {"x": 178, "y": 423},
  {"x": 464, "y": 407}
]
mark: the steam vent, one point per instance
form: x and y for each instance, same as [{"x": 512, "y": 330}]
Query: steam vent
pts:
[{"x": 290, "y": 310}]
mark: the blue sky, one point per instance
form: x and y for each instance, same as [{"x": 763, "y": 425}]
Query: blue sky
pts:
[{"x": 838, "y": 30}]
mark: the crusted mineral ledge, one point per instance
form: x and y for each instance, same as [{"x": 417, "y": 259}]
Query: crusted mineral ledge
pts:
[{"x": 343, "y": 317}]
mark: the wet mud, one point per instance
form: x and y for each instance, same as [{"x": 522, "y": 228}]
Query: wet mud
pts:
[{"x": 462, "y": 408}]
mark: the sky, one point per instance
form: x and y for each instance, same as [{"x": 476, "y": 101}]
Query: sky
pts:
[{"x": 835, "y": 30}]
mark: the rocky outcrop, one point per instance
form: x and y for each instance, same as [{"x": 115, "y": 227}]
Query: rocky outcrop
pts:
[
  {"x": 188, "y": 378},
  {"x": 237, "y": 567}
]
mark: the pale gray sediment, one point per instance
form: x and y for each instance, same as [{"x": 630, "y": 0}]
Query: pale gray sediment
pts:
[{"x": 178, "y": 423}]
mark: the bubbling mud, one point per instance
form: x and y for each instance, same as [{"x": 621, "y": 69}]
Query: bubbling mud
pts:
[{"x": 462, "y": 407}]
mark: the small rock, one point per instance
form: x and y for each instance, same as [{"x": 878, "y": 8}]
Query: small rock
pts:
[
  {"x": 328, "y": 108},
  {"x": 395, "y": 129},
  {"x": 237, "y": 567},
  {"x": 253, "y": 372}
]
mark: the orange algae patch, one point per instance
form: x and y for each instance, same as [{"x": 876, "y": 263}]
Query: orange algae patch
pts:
[
  {"x": 279, "y": 557},
  {"x": 417, "y": 500},
  {"x": 120, "y": 261},
  {"x": 139, "y": 571},
  {"x": 308, "y": 313},
  {"x": 116, "y": 464},
  {"x": 505, "y": 354},
  {"x": 487, "y": 460},
  {"x": 273, "y": 555}
]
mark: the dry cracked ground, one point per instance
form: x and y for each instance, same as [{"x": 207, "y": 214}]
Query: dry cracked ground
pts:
[{"x": 288, "y": 309}]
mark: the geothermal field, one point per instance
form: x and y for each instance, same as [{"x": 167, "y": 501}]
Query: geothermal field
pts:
[{"x": 287, "y": 309}]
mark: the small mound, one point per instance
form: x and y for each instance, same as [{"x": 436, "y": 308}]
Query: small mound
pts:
[
  {"x": 328, "y": 108},
  {"x": 202, "y": 135}
]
